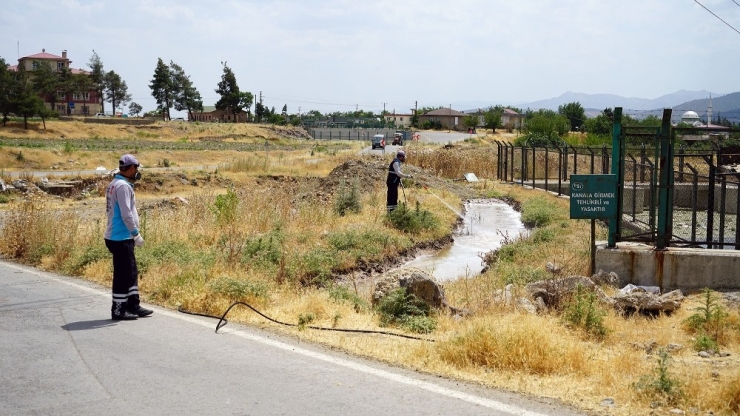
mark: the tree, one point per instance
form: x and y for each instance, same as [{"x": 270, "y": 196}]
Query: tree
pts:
[
  {"x": 600, "y": 125},
  {"x": 97, "y": 78},
  {"x": 82, "y": 84},
  {"x": 7, "y": 81},
  {"x": 259, "y": 112},
  {"x": 25, "y": 101},
  {"x": 162, "y": 88},
  {"x": 231, "y": 97},
  {"x": 45, "y": 81},
  {"x": 134, "y": 108},
  {"x": 575, "y": 114},
  {"x": 492, "y": 118},
  {"x": 116, "y": 90},
  {"x": 186, "y": 96},
  {"x": 470, "y": 121}
]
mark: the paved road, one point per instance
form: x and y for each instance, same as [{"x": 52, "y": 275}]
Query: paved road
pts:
[
  {"x": 61, "y": 355},
  {"x": 424, "y": 137}
]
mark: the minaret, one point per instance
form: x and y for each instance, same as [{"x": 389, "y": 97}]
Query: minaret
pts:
[{"x": 709, "y": 110}]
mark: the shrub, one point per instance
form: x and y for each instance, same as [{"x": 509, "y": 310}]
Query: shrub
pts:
[
  {"x": 660, "y": 383},
  {"x": 339, "y": 293},
  {"x": 225, "y": 207},
  {"x": 91, "y": 254},
  {"x": 582, "y": 311},
  {"x": 538, "y": 212},
  {"x": 410, "y": 221},
  {"x": 264, "y": 250},
  {"x": 238, "y": 289},
  {"x": 348, "y": 199},
  {"x": 710, "y": 321},
  {"x": 406, "y": 310}
]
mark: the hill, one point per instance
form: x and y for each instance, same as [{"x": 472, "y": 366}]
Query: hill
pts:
[{"x": 602, "y": 101}]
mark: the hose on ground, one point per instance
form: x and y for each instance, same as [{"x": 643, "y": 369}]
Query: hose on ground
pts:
[{"x": 222, "y": 322}]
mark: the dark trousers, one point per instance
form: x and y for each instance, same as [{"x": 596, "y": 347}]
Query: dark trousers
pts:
[
  {"x": 125, "y": 273},
  {"x": 392, "y": 200}
]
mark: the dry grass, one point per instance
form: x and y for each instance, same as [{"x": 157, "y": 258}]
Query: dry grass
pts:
[{"x": 283, "y": 236}]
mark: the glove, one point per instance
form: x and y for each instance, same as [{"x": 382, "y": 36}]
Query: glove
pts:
[
  {"x": 138, "y": 240},
  {"x": 411, "y": 176}
]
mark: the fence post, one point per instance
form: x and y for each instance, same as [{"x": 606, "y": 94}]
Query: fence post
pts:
[
  {"x": 534, "y": 165},
  {"x": 615, "y": 225},
  {"x": 604, "y": 160},
  {"x": 665, "y": 190},
  {"x": 592, "y": 159},
  {"x": 547, "y": 165},
  {"x": 722, "y": 211},
  {"x": 512, "y": 163},
  {"x": 575, "y": 160},
  {"x": 694, "y": 198},
  {"x": 498, "y": 159},
  {"x": 523, "y": 170},
  {"x": 643, "y": 157},
  {"x": 681, "y": 156},
  {"x": 564, "y": 171},
  {"x": 560, "y": 170},
  {"x": 634, "y": 186}
]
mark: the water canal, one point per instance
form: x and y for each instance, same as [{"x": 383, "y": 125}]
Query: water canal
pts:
[{"x": 486, "y": 222}]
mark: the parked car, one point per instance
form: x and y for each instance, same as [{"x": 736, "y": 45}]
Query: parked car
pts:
[
  {"x": 100, "y": 115},
  {"x": 378, "y": 141}
]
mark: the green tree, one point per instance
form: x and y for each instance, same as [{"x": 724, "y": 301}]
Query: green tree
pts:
[
  {"x": 134, "y": 108},
  {"x": 116, "y": 90},
  {"x": 82, "y": 84},
  {"x": 259, "y": 112},
  {"x": 575, "y": 114},
  {"x": 186, "y": 96},
  {"x": 470, "y": 121},
  {"x": 231, "y": 97},
  {"x": 162, "y": 88},
  {"x": 25, "y": 101},
  {"x": 492, "y": 117},
  {"x": 544, "y": 128},
  {"x": 600, "y": 125},
  {"x": 97, "y": 78},
  {"x": 7, "y": 81},
  {"x": 45, "y": 81}
]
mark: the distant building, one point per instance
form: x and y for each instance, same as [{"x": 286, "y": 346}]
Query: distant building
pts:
[
  {"x": 212, "y": 115},
  {"x": 447, "y": 117},
  {"x": 509, "y": 117},
  {"x": 65, "y": 103},
  {"x": 691, "y": 118},
  {"x": 400, "y": 120}
]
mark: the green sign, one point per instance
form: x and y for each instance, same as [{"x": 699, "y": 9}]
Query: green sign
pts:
[{"x": 593, "y": 196}]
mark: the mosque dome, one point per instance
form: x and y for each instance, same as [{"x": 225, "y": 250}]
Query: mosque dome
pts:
[{"x": 690, "y": 115}]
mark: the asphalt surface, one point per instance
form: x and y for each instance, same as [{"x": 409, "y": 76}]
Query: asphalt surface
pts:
[{"x": 60, "y": 354}]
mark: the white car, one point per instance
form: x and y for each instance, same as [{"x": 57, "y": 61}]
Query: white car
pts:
[{"x": 101, "y": 115}]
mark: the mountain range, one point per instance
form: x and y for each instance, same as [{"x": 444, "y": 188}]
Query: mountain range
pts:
[{"x": 726, "y": 105}]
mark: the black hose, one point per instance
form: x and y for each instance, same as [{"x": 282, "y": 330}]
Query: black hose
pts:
[{"x": 222, "y": 322}]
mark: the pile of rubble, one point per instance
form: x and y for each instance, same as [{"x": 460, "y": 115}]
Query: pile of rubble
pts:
[{"x": 539, "y": 296}]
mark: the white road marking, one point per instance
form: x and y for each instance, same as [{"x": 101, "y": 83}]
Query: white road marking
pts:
[{"x": 398, "y": 378}]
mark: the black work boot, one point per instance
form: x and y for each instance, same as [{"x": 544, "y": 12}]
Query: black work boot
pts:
[
  {"x": 118, "y": 312},
  {"x": 140, "y": 312}
]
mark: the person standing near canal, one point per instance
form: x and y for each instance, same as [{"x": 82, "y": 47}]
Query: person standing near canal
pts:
[
  {"x": 121, "y": 237},
  {"x": 394, "y": 179}
]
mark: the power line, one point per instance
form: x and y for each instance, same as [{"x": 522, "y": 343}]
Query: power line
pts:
[
  {"x": 705, "y": 8},
  {"x": 738, "y": 4}
]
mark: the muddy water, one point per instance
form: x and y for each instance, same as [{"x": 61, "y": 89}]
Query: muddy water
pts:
[{"x": 486, "y": 223}]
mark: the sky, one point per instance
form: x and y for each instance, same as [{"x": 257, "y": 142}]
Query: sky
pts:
[{"x": 342, "y": 55}]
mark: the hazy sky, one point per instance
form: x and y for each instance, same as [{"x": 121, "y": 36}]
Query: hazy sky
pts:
[{"x": 333, "y": 55}]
